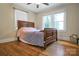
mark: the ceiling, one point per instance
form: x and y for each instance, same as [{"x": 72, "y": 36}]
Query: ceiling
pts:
[{"x": 32, "y": 7}]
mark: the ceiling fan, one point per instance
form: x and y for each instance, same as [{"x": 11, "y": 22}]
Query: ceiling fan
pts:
[{"x": 37, "y": 4}]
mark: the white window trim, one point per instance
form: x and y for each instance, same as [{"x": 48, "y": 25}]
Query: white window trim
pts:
[
  {"x": 65, "y": 20},
  {"x": 14, "y": 16},
  {"x": 42, "y": 23}
]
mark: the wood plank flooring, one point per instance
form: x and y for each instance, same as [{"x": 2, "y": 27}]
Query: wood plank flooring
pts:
[{"x": 59, "y": 48}]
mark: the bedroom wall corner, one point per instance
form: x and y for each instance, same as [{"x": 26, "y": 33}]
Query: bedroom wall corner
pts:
[
  {"x": 7, "y": 22},
  {"x": 7, "y": 30}
]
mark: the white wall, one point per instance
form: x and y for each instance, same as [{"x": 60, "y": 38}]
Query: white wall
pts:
[
  {"x": 6, "y": 19},
  {"x": 7, "y": 22},
  {"x": 71, "y": 19},
  {"x": 78, "y": 19}
]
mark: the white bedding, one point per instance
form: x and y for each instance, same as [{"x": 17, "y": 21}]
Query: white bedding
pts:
[{"x": 31, "y": 36}]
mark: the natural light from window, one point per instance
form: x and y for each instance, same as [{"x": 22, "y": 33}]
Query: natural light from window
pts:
[
  {"x": 20, "y": 15},
  {"x": 56, "y": 20},
  {"x": 47, "y": 21},
  {"x": 59, "y": 21}
]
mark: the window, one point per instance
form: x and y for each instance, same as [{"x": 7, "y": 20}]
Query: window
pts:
[
  {"x": 20, "y": 15},
  {"x": 47, "y": 21},
  {"x": 59, "y": 21},
  {"x": 54, "y": 21}
]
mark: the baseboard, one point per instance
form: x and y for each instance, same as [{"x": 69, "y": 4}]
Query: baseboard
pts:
[
  {"x": 8, "y": 39},
  {"x": 64, "y": 37}
]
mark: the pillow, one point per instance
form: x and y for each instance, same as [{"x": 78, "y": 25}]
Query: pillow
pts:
[
  {"x": 23, "y": 30},
  {"x": 28, "y": 29}
]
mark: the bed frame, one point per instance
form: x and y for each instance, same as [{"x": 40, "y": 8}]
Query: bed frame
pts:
[
  {"x": 24, "y": 24},
  {"x": 50, "y": 34}
]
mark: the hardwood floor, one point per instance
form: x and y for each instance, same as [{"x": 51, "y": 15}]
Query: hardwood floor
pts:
[{"x": 59, "y": 48}]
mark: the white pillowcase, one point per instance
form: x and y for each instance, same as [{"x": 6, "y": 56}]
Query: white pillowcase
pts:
[{"x": 29, "y": 29}]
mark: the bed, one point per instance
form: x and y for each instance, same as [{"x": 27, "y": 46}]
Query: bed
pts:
[{"x": 27, "y": 33}]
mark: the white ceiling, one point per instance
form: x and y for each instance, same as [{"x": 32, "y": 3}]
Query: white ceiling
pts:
[
  {"x": 42, "y": 7},
  {"x": 33, "y": 7}
]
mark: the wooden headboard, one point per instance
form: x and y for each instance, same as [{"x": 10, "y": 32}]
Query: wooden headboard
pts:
[{"x": 24, "y": 24}]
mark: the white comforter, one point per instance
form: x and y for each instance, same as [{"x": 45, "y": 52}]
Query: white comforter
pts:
[{"x": 31, "y": 36}]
